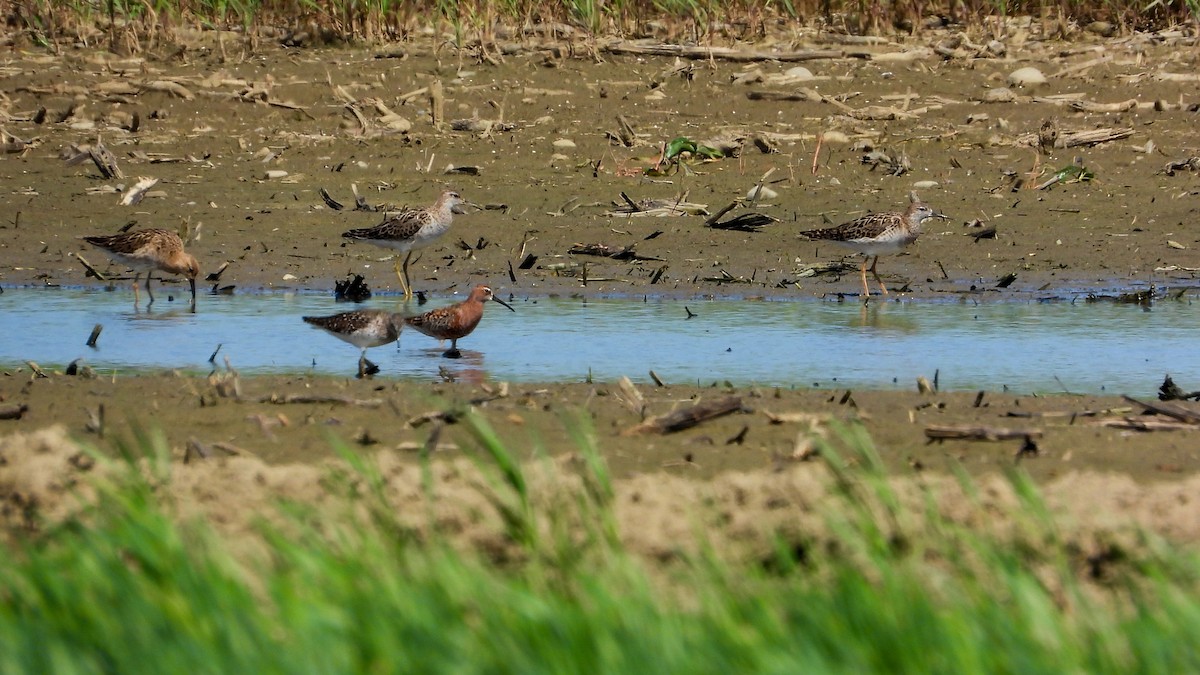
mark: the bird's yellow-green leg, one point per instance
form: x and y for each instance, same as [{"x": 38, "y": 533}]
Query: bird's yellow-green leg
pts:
[
  {"x": 404, "y": 282},
  {"x": 401, "y": 274},
  {"x": 882, "y": 287}
]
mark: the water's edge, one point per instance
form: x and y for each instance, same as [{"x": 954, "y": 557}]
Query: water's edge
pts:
[{"x": 1080, "y": 347}]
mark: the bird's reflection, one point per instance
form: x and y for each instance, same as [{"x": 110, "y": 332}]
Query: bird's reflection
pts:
[
  {"x": 878, "y": 316},
  {"x": 152, "y": 313},
  {"x": 468, "y": 368}
]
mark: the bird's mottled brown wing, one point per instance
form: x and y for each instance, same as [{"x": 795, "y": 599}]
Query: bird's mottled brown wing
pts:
[
  {"x": 401, "y": 226},
  {"x": 868, "y": 227},
  {"x": 439, "y": 323},
  {"x": 140, "y": 244},
  {"x": 345, "y": 323}
]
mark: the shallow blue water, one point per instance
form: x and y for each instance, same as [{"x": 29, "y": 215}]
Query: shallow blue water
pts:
[{"x": 1096, "y": 347}]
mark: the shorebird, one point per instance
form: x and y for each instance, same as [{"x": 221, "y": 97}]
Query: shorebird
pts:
[
  {"x": 877, "y": 234},
  {"x": 363, "y": 328},
  {"x": 412, "y": 229},
  {"x": 149, "y": 250},
  {"x": 455, "y": 321}
]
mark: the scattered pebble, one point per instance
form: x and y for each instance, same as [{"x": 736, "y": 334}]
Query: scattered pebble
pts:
[
  {"x": 799, "y": 73},
  {"x": 564, "y": 144},
  {"x": 1026, "y": 77},
  {"x": 999, "y": 95}
]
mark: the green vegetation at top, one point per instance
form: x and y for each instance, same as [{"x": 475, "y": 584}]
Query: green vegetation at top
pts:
[
  {"x": 125, "y": 587},
  {"x": 131, "y": 23}
]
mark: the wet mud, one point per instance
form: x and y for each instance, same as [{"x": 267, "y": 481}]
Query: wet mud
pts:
[{"x": 242, "y": 143}]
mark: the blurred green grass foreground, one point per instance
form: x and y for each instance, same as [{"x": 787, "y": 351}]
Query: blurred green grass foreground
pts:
[{"x": 503, "y": 562}]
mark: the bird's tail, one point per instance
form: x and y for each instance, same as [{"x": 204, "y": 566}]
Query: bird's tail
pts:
[{"x": 364, "y": 233}]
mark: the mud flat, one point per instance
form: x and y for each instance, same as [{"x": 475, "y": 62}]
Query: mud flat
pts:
[{"x": 243, "y": 144}]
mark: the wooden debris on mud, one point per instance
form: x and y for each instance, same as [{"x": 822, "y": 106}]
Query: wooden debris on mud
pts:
[
  {"x": 163, "y": 158},
  {"x": 1172, "y": 410},
  {"x": 1074, "y": 139},
  {"x": 171, "y": 87},
  {"x": 100, "y": 155},
  {"x": 605, "y": 251},
  {"x": 134, "y": 195},
  {"x": 959, "y": 47},
  {"x": 631, "y": 398},
  {"x": 805, "y": 418},
  {"x": 866, "y": 113},
  {"x": 385, "y": 121},
  {"x": 895, "y": 164},
  {"x": 91, "y": 269},
  {"x": 743, "y": 222},
  {"x": 197, "y": 450},
  {"x": 837, "y": 267},
  {"x": 1169, "y": 391},
  {"x": 687, "y": 417},
  {"x": 643, "y": 48},
  {"x": 656, "y": 207},
  {"x": 302, "y": 399},
  {"x": 625, "y": 134},
  {"x": 354, "y": 289},
  {"x": 437, "y": 104},
  {"x": 225, "y": 384},
  {"x": 1180, "y": 417},
  {"x": 482, "y": 127},
  {"x": 13, "y": 412},
  {"x": 1190, "y": 164},
  {"x": 942, "y": 432},
  {"x": 12, "y": 145}
]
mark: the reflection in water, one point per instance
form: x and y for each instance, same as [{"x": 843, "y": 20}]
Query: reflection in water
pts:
[
  {"x": 1089, "y": 347},
  {"x": 876, "y": 316}
]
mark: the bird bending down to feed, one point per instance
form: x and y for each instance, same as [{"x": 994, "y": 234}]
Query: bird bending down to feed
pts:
[
  {"x": 149, "y": 250},
  {"x": 455, "y": 321},
  {"x": 363, "y": 328},
  {"x": 412, "y": 229},
  {"x": 877, "y": 234}
]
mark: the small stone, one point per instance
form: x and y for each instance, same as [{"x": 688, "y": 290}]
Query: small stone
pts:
[
  {"x": 925, "y": 184},
  {"x": 799, "y": 73},
  {"x": 999, "y": 95},
  {"x": 1026, "y": 77},
  {"x": 564, "y": 144}
]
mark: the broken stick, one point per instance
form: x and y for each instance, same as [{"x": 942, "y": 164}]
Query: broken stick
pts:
[
  {"x": 686, "y": 418},
  {"x": 940, "y": 432}
]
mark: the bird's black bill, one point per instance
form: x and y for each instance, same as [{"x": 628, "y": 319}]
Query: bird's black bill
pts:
[{"x": 495, "y": 299}]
